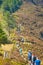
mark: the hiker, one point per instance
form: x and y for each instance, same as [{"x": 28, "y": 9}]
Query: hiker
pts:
[
  {"x": 29, "y": 56},
  {"x": 33, "y": 59},
  {"x": 17, "y": 44},
  {"x": 5, "y": 54},
  {"x": 37, "y": 61},
  {"x": 20, "y": 50},
  {"x": 22, "y": 39}
]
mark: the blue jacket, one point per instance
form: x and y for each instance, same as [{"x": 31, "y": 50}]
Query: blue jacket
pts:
[
  {"x": 37, "y": 62},
  {"x": 29, "y": 55}
]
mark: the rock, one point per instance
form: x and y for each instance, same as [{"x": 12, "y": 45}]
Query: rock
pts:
[{"x": 38, "y": 2}]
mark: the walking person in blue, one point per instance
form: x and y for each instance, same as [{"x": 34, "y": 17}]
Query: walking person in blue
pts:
[
  {"x": 20, "y": 50},
  {"x": 29, "y": 56},
  {"x": 37, "y": 61}
]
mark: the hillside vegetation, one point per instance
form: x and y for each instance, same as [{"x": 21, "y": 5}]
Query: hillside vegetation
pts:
[
  {"x": 7, "y": 21},
  {"x": 38, "y": 2},
  {"x": 30, "y": 19},
  {"x": 10, "y": 5},
  {"x": 21, "y": 22}
]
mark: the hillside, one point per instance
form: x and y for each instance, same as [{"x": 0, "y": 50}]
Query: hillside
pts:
[
  {"x": 6, "y": 13},
  {"x": 21, "y": 22},
  {"x": 30, "y": 19}
]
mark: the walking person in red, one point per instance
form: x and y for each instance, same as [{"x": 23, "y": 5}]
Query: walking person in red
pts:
[{"x": 33, "y": 59}]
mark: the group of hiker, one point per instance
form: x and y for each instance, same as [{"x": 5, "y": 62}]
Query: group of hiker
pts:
[{"x": 33, "y": 60}]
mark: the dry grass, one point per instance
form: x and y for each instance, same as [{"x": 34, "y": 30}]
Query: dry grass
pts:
[
  {"x": 28, "y": 17},
  {"x": 7, "y": 47}
]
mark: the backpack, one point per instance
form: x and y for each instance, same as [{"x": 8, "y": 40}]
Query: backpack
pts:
[{"x": 34, "y": 58}]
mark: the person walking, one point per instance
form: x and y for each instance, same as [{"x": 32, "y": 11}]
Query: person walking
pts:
[
  {"x": 33, "y": 59},
  {"x": 37, "y": 61},
  {"x": 20, "y": 50},
  {"x": 29, "y": 56}
]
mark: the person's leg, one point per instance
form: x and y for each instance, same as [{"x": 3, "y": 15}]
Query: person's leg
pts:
[
  {"x": 29, "y": 62},
  {"x": 33, "y": 63}
]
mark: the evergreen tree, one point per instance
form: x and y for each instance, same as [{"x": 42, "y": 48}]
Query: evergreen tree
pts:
[
  {"x": 3, "y": 37},
  {"x": 11, "y": 5}
]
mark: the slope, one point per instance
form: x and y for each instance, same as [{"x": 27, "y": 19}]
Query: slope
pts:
[{"x": 30, "y": 19}]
